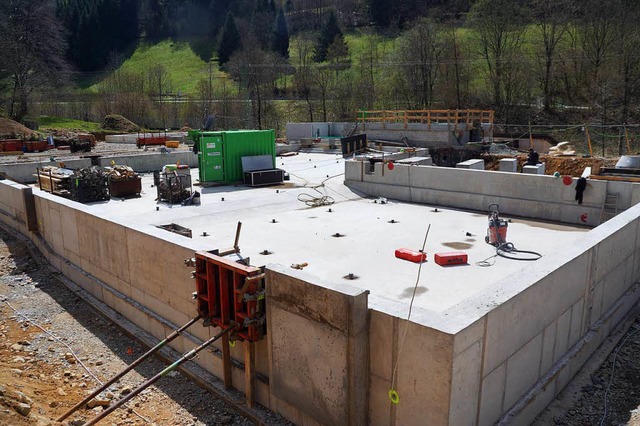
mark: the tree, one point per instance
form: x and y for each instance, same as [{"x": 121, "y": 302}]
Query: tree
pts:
[
  {"x": 421, "y": 52},
  {"x": 33, "y": 58},
  {"x": 628, "y": 49},
  {"x": 280, "y": 43},
  {"x": 230, "y": 40},
  {"x": 303, "y": 78},
  {"x": 553, "y": 19},
  {"x": 328, "y": 33},
  {"x": 500, "y": 27},
  {"x": 255, "y": 70},
  {"x": 380, "y": 12}
]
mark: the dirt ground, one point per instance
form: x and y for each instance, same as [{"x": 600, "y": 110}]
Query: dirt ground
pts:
[
  {"x": 566, "y": 166},
  {"x": 11, "y": 129},
  {"x": 608, "y": 396},
  {"x": 40, "y": 379}
]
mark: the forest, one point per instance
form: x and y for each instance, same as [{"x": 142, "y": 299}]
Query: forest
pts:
[{"x": 262, "y": 63}]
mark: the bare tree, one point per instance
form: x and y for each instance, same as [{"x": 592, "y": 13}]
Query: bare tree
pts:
[
  {"x": 501, "y": 35},
  {"x": 33, "y": 48},
  {"x": 628, "y": 51},
  {"x": 420, "y": 59},
  {"x": 255, "y": 70},
  {"x": 303, "y": 62},
  {"x": 553, "y": 20}
]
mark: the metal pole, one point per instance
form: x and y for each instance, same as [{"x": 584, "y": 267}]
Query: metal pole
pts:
[
  {"x": 235, "y": 244},
  {"x": 186, "y": 357},
  {"x": 133, "y": 365}
]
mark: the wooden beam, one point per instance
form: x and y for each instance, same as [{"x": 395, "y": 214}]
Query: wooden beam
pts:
[
  {"x": 249, "y": 373},
  {"x": 227, "y": 377}
]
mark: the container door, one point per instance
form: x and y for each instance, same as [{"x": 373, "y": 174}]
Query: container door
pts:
[{"x": 212, "y": 158}]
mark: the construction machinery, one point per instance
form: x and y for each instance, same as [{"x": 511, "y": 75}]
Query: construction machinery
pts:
[{"x": 497, "y": 230}]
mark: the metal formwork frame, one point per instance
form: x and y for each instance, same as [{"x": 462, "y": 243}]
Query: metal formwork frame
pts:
[{"x": 229, "y": 293}]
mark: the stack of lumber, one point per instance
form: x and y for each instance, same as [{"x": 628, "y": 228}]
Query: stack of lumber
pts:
[{"x": 55, "y": 180}]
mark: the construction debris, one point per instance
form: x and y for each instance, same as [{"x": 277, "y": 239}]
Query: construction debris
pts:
[
  {"x": 174, "y": 187},
  {"x": 123, "y": 181},
  {"x": 54, "y": 180},
  {"x": 562, "y": 148},
  {"x": 89, "y": 185},
  {"x": 119, "y": 123}
]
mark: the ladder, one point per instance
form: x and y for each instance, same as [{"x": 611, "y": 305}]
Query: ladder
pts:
[{"x": 610, "y": 207}]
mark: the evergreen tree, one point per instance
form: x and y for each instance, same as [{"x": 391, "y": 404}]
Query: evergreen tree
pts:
[
  {"x": 380, "y": 12},
  {"x": 229, "y": 41},
  {"x": 280, "y": 43},
  {"x": 328, "y": 33}
]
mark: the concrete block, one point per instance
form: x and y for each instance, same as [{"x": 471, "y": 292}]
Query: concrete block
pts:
[
  {"x": 379, "y": 406},
  {"x": 493, "y": 388},
  {"x": 318, "y": 388},
  {"x": 465, "y": 386},
  {"x": 562, "y": 335},
  {"x": 323, "y": 324},
  {"x": 424, "y": 376},
  {"x": 509, "y": 165},
  {"x": 381, "y": 336},
  {"x": 577, "y": 321},
  {"x": 471, "y": 164},
  {"x": 538, "y": 169},
  {"x": 469, "y": 336},
  {"x": 548, "y": 343},
  {"x": 416, "y": 161},
  {"x": 523, "y": 369}
]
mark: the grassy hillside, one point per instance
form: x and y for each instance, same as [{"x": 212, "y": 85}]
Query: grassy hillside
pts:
[
  {"x": 59, "y": 123},
  {"x": 183, "y": 66}
]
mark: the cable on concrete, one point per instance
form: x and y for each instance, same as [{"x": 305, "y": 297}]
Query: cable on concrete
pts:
[
  {"x": 613, "y": 370},
  {"x": 71, "y": 351},
  {"x": 394, "y": 376}
]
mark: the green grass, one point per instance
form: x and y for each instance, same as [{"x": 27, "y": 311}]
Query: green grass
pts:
[
  {"x": 183, "y": 66},
  {"x": 60, "y": 123}
]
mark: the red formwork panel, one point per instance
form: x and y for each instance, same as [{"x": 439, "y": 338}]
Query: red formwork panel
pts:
[
  {"x": 229, "y": 293},
  {"x": 151, "y": 140}
]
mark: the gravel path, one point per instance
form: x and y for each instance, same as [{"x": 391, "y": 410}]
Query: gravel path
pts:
[{"x": 39, "y": 377}]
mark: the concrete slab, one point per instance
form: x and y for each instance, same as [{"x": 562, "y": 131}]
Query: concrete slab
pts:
[
  {"x": 471, "y": 164},
  {"x": 370, "y": 231},
  {"x": 509, "y": 165}
]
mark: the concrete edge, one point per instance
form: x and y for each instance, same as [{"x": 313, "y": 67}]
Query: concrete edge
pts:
[
  {"x": 193, "y": 371},
  {"x": 594, "y": 362}
]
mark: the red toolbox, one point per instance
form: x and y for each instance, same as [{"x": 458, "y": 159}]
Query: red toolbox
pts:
[
  {"x": 450, "y": 258},
  {"x": 411, "y": 255}
]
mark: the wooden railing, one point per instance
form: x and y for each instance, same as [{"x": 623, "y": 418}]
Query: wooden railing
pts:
[{"x": 447, "y": 116}]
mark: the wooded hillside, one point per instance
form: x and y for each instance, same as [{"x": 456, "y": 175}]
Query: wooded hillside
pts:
[{"x": 530, "y": 60}]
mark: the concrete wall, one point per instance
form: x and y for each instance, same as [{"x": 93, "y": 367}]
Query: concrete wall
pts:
[
  {"x": 539, "y": 197},
  {"x": 318, "y": 346},
  {"x": 24, "y": 172},
  {"x": 140, "y": 162},
  {"x": 543, "y": 327},
  {"x": 146, "y": 162}
]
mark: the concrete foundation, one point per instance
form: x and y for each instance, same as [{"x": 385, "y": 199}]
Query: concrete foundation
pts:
[
  {"x": 538, "y": 169},
  {"x": 506, "y": 341},
  {"x": 509, "y": 165},
  {"x": 143, "y": 162},
  {"x": 471, "y": 165}
]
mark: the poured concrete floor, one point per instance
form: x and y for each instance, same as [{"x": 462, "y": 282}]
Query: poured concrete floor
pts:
[{"x": 303, "y": 234}]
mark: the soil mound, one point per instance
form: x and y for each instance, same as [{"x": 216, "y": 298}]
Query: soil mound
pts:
[
  {"x": 10, "y": 129},
  {"x": 119, "y": 123}
]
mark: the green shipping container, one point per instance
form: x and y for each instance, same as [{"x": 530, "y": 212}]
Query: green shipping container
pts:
[{"x": 220, "y": 153}]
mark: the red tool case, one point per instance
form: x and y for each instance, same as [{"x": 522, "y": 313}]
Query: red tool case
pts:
[
  {"x": 450, "y": 258},
  {"x": 411, "y": 255}
]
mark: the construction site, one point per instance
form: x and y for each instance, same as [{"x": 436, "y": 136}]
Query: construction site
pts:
[{"x": 406, "y": 268}]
